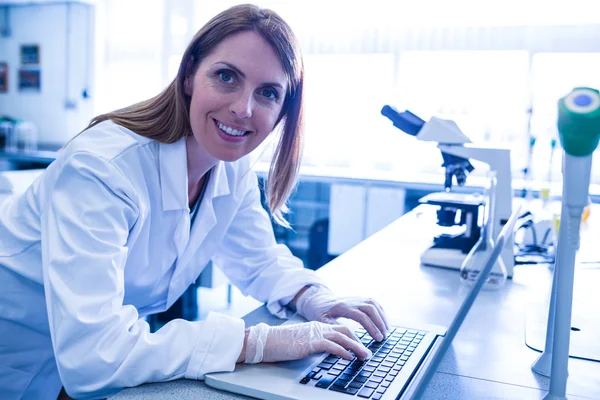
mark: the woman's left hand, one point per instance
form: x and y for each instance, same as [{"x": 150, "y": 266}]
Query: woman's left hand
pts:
[{"x": 319, "y": 304}]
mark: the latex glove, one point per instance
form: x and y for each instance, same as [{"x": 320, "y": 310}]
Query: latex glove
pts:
[
  {"x": 319, "y": 304},
  {"x": 292, "y": 342}
]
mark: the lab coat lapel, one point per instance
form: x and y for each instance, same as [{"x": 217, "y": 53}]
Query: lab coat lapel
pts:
[
  {"x": 206, "y": 219},
  {"x": 218, "y": 185},
  {"x": 173, "y": 183}
]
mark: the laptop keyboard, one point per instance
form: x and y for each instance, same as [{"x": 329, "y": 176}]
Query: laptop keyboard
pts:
[{"x": 370, "y": 378}]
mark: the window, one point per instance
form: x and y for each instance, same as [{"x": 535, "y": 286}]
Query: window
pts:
[
  {"x": 485, "y": 92},
  {"x": 485, "y": 69},
  {"x": 129, "y": 64},
  {"x": 344, "y": 96}
]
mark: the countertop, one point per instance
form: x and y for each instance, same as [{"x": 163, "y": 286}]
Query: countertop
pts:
[{"x": 489, "y": 357}]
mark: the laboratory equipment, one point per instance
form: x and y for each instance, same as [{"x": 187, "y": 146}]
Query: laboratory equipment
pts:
[
  {"x": 579, "y": 133},
  {"x": 7, "y": 131},
  {"x": 535, "y": 238},
  {"x": 481, "y": 251},
  {"x": 26, "y": 133},
  {"x": 527, "y": 171},
  {"x": 458, "y": 227},
  {"x": 545, "y": 192},
  {"x": 456, "y": 152},
  {"x": 541, "y": 230}
]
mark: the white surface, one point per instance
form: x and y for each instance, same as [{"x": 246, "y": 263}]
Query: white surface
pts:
[
  {"x": 462, "y": 388},
  {"x": 585, "y": 316}
]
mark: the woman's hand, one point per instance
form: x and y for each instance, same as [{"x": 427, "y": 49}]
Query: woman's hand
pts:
[
  {"x": 292, "y": 342},
  {"x": 319, "y": 304}
]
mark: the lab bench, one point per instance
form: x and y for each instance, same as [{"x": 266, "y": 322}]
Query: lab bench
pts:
[
  {"x": 16, "y": 160},
  {"x": 489, "y": 357}
]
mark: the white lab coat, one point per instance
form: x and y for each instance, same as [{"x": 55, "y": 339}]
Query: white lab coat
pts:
[{"x": 103, "y": 238}]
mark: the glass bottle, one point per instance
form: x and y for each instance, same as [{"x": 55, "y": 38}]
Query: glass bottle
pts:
[
  {"x": 477, "y": 258},
  {"x": 10, "y": 139},
  {"x": 26, "y": 132}
]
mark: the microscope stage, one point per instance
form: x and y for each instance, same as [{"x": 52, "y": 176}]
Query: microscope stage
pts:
[
  {"x": 450, "y": 198},
  {"x": 443, "y": 258}
]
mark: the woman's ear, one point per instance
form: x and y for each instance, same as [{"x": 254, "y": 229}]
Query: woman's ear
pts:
[{"x": 188, "y": 83}]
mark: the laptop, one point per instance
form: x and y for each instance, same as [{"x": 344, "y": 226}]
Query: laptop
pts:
[{"x": 401, "y": 367}]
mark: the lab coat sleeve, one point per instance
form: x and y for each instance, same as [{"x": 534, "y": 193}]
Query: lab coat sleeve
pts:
[
  {"x": 254, "y": 262},
  {"x": 100, "y": 344}
]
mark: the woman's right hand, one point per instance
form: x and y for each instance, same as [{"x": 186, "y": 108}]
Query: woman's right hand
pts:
[{"x": 291, "y": 342}]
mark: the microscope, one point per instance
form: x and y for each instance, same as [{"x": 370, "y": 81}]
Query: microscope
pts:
[{"x": 450, "y": 249}]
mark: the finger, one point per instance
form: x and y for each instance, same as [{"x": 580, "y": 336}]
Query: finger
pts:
[
  {"x": 373, "y": 313},
  {"x": 381, "y": 312},
  {"x": 326, "y": 319},
  {"x": 327, "y": 346},
  {"x": 357, "y": 348},
  {"x": 366, "y": 322},
  {"x": 346, "y": 331}
]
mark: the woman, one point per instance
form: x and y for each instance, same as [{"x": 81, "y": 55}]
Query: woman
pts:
[{"x": 136, "y": 205}]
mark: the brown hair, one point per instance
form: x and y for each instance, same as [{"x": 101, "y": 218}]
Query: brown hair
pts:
[{"x": 165, "y": 117}]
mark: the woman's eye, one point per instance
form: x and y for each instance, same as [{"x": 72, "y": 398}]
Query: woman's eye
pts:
[
  {"x": 226, "y": 76},
  {"x": 270, "y": 94}
]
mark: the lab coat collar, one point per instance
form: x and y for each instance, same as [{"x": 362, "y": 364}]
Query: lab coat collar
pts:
[
  {"x": 172, "y": 159},
  {"x": 173, "y": 177},
  {"x": 220, "y": 181}
]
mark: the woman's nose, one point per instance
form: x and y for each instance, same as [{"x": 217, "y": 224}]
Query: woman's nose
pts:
[{"x": 242, "y": 106}]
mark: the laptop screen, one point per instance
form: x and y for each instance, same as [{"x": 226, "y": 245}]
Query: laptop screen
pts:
[{"x": 466, "y": 305}]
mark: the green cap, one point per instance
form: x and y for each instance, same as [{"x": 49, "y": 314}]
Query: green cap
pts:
[{"x": 579, "y": 121}]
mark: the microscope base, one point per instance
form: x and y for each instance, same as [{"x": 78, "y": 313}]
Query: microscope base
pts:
[
  {"x": 552, "y": 397},
  {"x": 543, "y": 365},
  {"x": 443, "y": 258}
]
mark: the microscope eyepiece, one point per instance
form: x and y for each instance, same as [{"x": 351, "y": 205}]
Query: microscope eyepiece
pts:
[
  {"x": 438, "y": 129},
  {"x": 405, "y": 121}
]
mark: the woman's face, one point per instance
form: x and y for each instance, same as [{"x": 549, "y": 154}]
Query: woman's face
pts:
[{"x": 237, "y": 94}]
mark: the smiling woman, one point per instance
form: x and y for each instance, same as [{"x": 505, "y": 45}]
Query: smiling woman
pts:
[
  {"x": 167, "y": 117},
  {"x": 236, "y": 99},
  {"x": 136, "y": 206}
]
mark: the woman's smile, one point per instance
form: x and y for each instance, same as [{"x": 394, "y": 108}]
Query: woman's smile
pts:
[{"x": 229, "y": 134}]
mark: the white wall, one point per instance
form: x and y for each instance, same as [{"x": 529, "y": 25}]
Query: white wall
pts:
[
  {"x": 358, "y": 211},
  {"x": 64, "y": 33}
]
